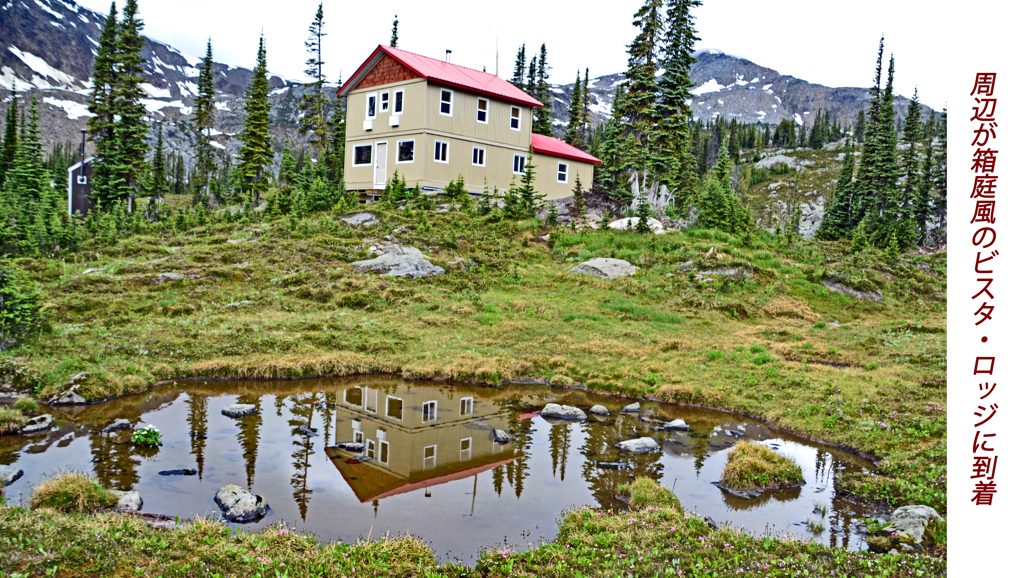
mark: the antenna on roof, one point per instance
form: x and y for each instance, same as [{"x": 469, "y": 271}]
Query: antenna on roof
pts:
[
  {"x": 447, "y": 55},
  {"x": 495, "y": 55}
]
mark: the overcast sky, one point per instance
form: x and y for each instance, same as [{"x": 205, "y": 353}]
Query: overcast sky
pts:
[{"x": 827, "y": 43}]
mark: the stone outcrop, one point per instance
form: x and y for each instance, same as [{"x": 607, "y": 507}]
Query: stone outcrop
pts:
[
  {"x": 874, "y": 296},
  {"x": 129, "y": 501},
  {"x": 71, "y": 395},
  {"x": 240, "y": 505},
  {"x": 118, "y": 424},
  {"x": 600, "y": 410},
  {"x": 398, "y": 261},
  {"x": 38, "y": 424},
  {"x": 9, "y": 474},
  {"x": 911, "y": 522},
  {"x": 361, "y": 219},
  {"x": 239, "y": 410},
  {"x": 678, "y": 425},
  {"x": 605, "y": 268},
  {"x": 639, "y": 445},
  {"x": 632, "y": 408},
  {"x": 555, "y": 411}
]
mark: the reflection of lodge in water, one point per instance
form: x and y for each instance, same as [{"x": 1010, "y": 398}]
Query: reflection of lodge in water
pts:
[{"x": 415, "y": 439}]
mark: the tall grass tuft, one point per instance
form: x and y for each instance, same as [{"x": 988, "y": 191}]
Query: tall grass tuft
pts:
[
  {"x": 72, "y": 491},
  {"x": 752, "y": 465}
]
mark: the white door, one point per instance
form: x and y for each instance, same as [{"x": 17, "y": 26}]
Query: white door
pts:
[{"x": 380, "y": 173}]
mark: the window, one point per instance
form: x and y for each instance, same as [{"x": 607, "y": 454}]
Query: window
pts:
[
  {"x": 481, "y": 110},
  {"x": 478, "y": 157},
  {"x": 563, "y": 173},
  {"x": 384, "y": 102},
  {"x": 394, "y": 409},
  {"x": 357, "y": 437},
  {"x": 83, "y": 180},
  {"x": 371, "y": 400},
  {"x": 429, "y": 457},
  {"x": 516, "y": 111},
  {"x": 518, "y": 164},
  {"x": 465, "y": 449},
  {"x": 405, "y": 150},
  {"x": 446, "y": 102},
  {"x": 382, "y": 452},
  {"x": 371, "y": 106},
  {"x": 354, "y": 396},
  {"x": 363, "y": 156},
  {"x": 466, "y": 406},
  {"x": 399, "y": 97},
  {"x": 440, "y": 151},
  {"x": 429, "y": 411},
  {"x": 370, "y": 449}
]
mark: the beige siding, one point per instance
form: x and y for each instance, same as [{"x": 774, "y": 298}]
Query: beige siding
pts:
[
  {"x": 547, "y": 176},
  {"x": 463, "y": 121}
]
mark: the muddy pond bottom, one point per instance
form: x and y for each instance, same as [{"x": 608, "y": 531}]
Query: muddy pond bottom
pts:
[{"x": 428, "y": 464}]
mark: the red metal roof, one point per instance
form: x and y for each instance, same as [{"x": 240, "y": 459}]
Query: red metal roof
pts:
[
  {"x": 444, "y": 73},
  {"x": 547, "y": 145}
]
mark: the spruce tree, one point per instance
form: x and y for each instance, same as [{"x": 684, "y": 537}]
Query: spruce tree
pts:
[
  {"x": 257, "y": 152},
  {"x": 101, "y": 123},
  {"x": 519, "y": 71},
  {"x": 542, "y": 115},
  {"x": 130, "y": 129},
  {"x": 922, "y": 194},
  {"x": 10, "y": 143},
  {"x": 203, "y": 111},
  {"x": 911, "y": 134},
  {"x": 610, "y": 173},
  {"x": 314, "y": 103},
  {"x": 529, "y": 197},
  {"x": 579, "y": 202},
  {"x": 531, "y": 78},
  {"x": 837, "y": 223},
  {"x": 572, "y": 129},
  {"x": 336, "y": 161},
  {"x": 159, "y": 169},
  {"x": 640, "y": 104},
  {"x": 394, "y": 31},
  {"x": 585, "y": 112}
]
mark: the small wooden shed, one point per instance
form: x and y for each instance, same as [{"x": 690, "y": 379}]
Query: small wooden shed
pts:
[{"x": 80, "y": 188}]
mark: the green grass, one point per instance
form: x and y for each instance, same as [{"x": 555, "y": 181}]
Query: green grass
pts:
[
  {"x": 72, "y": 491},
  {"x": 753, "y": 465},
  {"x": 11, "y": 420},
  {"x": 26, "y": 404}
]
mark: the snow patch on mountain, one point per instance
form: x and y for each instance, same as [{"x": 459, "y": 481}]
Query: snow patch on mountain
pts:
[
  {"x": 709, "y": 86},
  {"x": 74, "y": 110},
  {"x": 39, "y": 66}
]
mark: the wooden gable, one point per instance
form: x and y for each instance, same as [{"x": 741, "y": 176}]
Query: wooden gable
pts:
[{"x": 386, "y": 71}]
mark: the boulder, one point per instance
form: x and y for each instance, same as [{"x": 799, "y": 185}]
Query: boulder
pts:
[
  {"x": 600, "y": 410},
  {"x": 745, "y": 494},
  {"x": 165, "y": 277},
  {"x": 874, "y": 296},
  {"x": 677, "y": 424},
  {"x": 639, "y": 446},
  {"x": 350, "y": 446},
  {"x": 614, "y": 465},
  {"x": 182, "y": 472},
  {"x": 8, "y": 475},
  {"x": 240, "y": 505},
  {"x": 735, "y": 434},
  {"x": 632, "y": 408},
  {"x": 38, "y": 424},
  {"x": 117, "y": 425},
  {"x": 128, "y": 501},
  {"x": 364, "y": 219},
  {"x": 500, "y": 436},
  {"x": 605, "y": 268},
  {"x": 70, "y": 395},
  {"x": 632, "y": 222},
  {"x": 239, "y": 410},
  {"x": 738, "y": 273},
  {"x": 912, "y": 521},
  {"x": 555, "y": 411},
  {"x": 307, "y": 431},
  {"x": 398, "y": 261}
]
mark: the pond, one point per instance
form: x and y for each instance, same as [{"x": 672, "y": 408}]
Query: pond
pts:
[{"x": 429, "y": 465}]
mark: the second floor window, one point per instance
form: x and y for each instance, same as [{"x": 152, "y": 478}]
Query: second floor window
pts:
[
  {"x": 478, "y": 157},
  {"x": 466, "y": 406},
  {"x": 516, "y": 113},
  {"x": 371, "y": 106},
  {"x": 399, "y": 97},
  {"x": 481, "y": 110},
  {"x": 385, "y": 102},
  {"x": 446, "y": 102},
  {"x": 430, "y": 411}
]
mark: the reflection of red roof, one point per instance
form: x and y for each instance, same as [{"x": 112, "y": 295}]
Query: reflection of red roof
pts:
[
  {"x": 444, "y": 73},
  {"x": 547, "y": 145}
]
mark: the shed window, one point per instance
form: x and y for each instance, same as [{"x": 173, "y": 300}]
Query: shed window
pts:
[
  {"x": 395, "y": 406},
  {"x": 83, "y": 180},
  {"x": 446, "y": 102},
  {"x": 383, "y": 453},
  {"x": 563, "y": 173},
  {"x": 478, "y": 156},
  {"x": 440, "y": 151},
  {"x": 371, "y": 106},
  {"x": 406, "y": 148},
  {"x": 518, "y": 164},
  {"x": 399, "y": 97},
  {"x": 516, "y": 111},
  {"x": 385, "y": 102},
  {"x": 481, "y": 110},
  {"x": 363, "y": 155}
]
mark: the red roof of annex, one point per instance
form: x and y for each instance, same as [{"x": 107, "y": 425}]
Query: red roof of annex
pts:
[
  {"x": 550, "y": 145},
  {"x": 444, "y": 73}
]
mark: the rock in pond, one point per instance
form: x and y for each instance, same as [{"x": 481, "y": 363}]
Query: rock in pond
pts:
[
  {"x": 613, "y": 465},
  {"x": 500, "y": 436},
  {"x": 70, "y": 395},
  {"x": 240, "y": 505},
  {"x": 38, "y": 424},
  {"x": 600, "y": 410},
  {"x": 735, "y": 434},
  {"x": 639, "y": 446},
  {"x": 398, "y": 261},
  {"x": 364, "y": 219},
  {"x": 632, "y": 408},
  {"x": 182, "y": 472},
  {"x": 9, "y": 474},
  {"x": 128, "y": 501},
  {"x": 605, "y": 268},
  {"x": 677, "y": 424},
  {"x": 745, "y": 494},
  {"x": 239, "y": 410},
  {"x": 912, "y": 521},
  {"x": 118, "y": 424},
  {"x": 555, "y": 411}
]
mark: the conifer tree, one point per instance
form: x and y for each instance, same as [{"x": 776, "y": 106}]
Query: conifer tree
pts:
[
  {"x": 922, "y": 194},
  {"x": 101, "y": 123},
  {"x": 612, "y": 152},
  {"x": 585, "y": 112},
  {"x": 837, "y": 222},
  {"x": 531, "y": 78},
  {"x": 938, "y": 175},
  {"x": 336, "y": 161},
  {"x": 314, "y": 103},
  {"x": 204, "y": 116},
  {"x": 579, "y": 202},
  {"x": 572, "y": 129},
  {"x": 519, "y": 71},
  {"x": 394, "y": 31},
  {"x": 641, "y": 81},
  {"x": 257, "y": 153},
  {"x": 130, "y": 129},
  {"x": 911, "y": 134},
  {"x": 542, "y": 115},
  {"x": 159, "y": 168},
  {"x": 10, "y": 142},
  {"x": 526, "y": 193}
]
